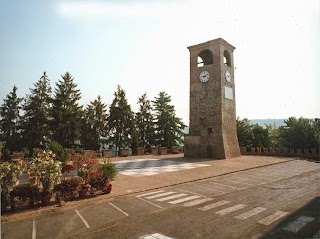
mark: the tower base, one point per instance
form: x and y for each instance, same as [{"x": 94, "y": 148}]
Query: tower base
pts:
[{"x": 200, "y": 147}]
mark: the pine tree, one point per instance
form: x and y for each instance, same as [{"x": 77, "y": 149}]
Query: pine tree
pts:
[
  {"x": 94, "y": 123},
  {"x": 9, "y": 121},
  {"x": 66, "y": 112},
  {"x": 35, "y": 124},
  {"x": 144, "y": 120},
  {"x": 121, "y": 120},
  {"x": 168, "y": 127}
]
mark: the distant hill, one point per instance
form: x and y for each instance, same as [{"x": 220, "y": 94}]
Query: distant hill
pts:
[
  {"x": 264, "y": 122},
  {"x": 261, "y": 122}
]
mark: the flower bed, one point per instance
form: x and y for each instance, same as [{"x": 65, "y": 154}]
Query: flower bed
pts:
[{"x": 45, "y": 174}]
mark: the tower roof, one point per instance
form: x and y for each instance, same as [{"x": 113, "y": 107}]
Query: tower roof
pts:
[{"x": 217, "y": 41}]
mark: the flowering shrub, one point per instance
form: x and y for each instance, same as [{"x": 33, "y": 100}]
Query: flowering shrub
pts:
[
  {"x": 84, "y": 171},
  {"x": 67, "y": 168},
  {"x": 9, "y": 173},
  {"x": 10, "y": 170},
  {"x": 107, "y": 172},
  {"x": 4, "y": 169},
  {"x": 85, "y": 163},
  {"x": 94, "y": 173},
  {"x": 47, "y": 169},
  {"x": 25, "y": 191},
  {"x": 68, "y": 188},
  {"x": 96, "y": 181}
]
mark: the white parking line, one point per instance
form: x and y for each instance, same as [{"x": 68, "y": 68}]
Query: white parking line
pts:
[
  {"x": 268, "y": 175},
  {"x": 159, "y": 195},
  {"x": 257, "y": 176},
  {"x": 299, "y": 223},
  {"x": 250, "y": 213},
  {"x": 208, "y": 188},
  {"x": 172, "y": 197},
  {"x": 225, "y": 185},
  {"x": 146, "y": 194},
  {"x": 259, "y": 181},
  {"x": 272, "y": 174},
  {"x": 238, "y": 182},
  {"x": 34, "y": 231},
  {"x": 84, "y": 221},
  {"x": 272, "y": 218},
  {"x": 184, "y": 199},
  {"x": 149, "y": 202},
  {"x": 119, "y": 209},
  {"x": 197, "y": 202},
  {"x": 155, "y": 236},
  {"x": 213, "y": 205},
  {"x": 190, "y": 192},
  {"x": 230, "y": 209},
  {"x": 317, "y": 235},
  {"x": 286, "y": 173}
]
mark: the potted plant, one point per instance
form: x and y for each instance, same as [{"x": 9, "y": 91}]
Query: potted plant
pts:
[
  {"x": 5, "y": 201},
  {"x": 48, "y": 173},
  {"x": 109, "y": 188},
  {"x": 68, "y": 188},
  {"x": 124, "y": 152},
  {"x": 175, "y": 149},
  {"x": 108, "y": 172},
  {"x": 85, "y": 163},
  {"x": 17, "y": 155},
  {"x": 106, "y": 153},
  {"x": 83, "y": 190},
  {"x": 96, "y": 182},
  {"x": 9, "y": 173},
  {"x": 154, "y": 150},
  {"x": 23, "y": 192},
  {"x": 140, "y": 151},
  {"x": 163, "y": 150}
]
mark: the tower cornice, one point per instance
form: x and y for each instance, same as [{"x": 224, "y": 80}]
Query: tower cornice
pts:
[{"x": 218, "y": 41}]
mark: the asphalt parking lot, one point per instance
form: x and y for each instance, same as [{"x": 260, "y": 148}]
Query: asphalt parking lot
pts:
[{"x": 276, "y": 201}]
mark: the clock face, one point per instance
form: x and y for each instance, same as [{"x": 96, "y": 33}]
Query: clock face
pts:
[
  {"x": 227, "y": 76},
  {"x": 204, "y": 76}
]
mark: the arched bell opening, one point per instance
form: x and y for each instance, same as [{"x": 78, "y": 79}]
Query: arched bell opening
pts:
[{"x": 205, "y": 58}]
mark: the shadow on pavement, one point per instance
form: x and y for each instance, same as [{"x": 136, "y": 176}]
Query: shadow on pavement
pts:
[{"x": 304, "y": 223}]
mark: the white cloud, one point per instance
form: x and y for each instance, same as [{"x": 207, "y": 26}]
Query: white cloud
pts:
[{"x": 106, "y": 10}]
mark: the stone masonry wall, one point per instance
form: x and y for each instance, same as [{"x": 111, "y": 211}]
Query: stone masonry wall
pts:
[{"x": 284, "y": 152}]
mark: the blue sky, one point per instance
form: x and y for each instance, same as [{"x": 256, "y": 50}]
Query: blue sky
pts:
[{"x": 142, "y": 45}]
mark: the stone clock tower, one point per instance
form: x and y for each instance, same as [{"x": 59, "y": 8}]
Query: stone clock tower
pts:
[{"x": 212, "y": 128}]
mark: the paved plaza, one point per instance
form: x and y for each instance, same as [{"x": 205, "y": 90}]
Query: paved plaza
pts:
[
  {"x": 148, "y": 167},
  {"x": 253, "y": 197}
]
